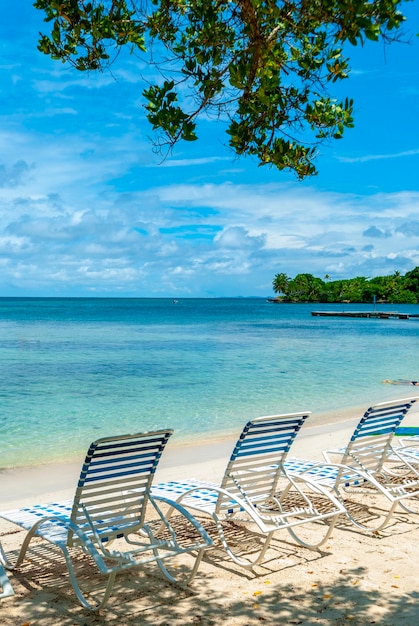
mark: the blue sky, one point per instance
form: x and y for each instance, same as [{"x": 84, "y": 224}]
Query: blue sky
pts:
[{"x": 87, "y": 208}]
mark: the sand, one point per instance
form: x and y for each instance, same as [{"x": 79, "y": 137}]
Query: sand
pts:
[{"x": 355, "y": 578}]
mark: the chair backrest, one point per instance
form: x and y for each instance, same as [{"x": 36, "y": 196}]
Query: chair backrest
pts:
[
  {"x": 371, "y": 440},
  {"x": 255, "y": 465},
  {"x": 114, "y": 484}
]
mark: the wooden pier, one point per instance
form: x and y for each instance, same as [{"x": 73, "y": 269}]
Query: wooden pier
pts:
[{"x": 381, "y": 315}]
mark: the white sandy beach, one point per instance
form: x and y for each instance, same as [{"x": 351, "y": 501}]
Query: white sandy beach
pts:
[{"x": 354, "y": 579}]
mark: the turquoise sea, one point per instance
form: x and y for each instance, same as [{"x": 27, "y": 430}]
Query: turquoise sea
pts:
[{"x": 73, "y": 370}]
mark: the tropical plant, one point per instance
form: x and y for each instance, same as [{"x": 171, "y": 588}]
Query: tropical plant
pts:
[
  {"x": 395, "y": 288},
  {"x": 280, "y": 283}
]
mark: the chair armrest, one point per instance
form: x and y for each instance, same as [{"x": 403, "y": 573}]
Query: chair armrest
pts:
[{"x": 337, "y": 452}]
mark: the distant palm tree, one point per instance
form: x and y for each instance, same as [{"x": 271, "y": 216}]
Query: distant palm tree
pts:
[{"x": 280, "y": 283}]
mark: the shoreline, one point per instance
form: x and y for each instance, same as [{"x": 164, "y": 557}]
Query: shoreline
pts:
[
  {"x": 204, "y": 459},
  {"x": 207, "y": 438},
  {"x": 195, "y": 439},
  {"x": 53, "y": 480}
]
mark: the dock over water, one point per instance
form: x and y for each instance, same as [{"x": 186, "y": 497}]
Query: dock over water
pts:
[{"x": 382, "y": 315}]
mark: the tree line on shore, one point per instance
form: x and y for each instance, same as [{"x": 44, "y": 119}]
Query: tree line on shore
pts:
[{"x": 394, "y": 288}]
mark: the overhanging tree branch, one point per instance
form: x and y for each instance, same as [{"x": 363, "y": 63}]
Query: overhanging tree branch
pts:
[{"x": 264, "y": 65}]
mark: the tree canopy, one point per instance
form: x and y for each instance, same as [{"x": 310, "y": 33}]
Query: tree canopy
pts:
[
  {"x": 394, "y": 288},
  {"x": 265, "y": 67}
]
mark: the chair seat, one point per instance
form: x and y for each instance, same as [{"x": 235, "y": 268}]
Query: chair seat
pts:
[
  {"x": 327, "y": 475},
  {"x": 203, "y": 498},
  {"x": 56, "y": 531},
  {"x": 322, "y": 473},
  {"x": 30, "y": 515},
  {"x": 411, "y": 452}
]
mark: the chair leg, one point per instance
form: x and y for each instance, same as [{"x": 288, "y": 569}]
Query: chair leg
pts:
[
  {"x": 173, "y": 568},
  {"x": 319, "y": 512},
  {"x": 178, "y": 550},
  {"x": 77, "y": 589},
  {"x": 371, "y": 526},
  {"x": 21, "y": 556},
  {"x": 178, "y": 566},
  {"x": 410, "y": 505},
  {"x": 6, "y": 589},
  {"x": 246, "y": 563},
  {"x": 327, "y": 528},
  {"x": 81, "y": 597},
  {"x": 243, "y": 562}
]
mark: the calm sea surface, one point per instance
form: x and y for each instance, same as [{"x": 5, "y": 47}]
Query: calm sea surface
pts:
[{"x": 73, "y": 370}]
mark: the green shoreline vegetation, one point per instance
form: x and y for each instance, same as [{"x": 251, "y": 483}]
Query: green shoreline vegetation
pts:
[{"x": 394, "y": 289}]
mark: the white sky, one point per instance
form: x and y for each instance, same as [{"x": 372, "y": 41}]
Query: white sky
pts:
[{"x": 86, "y": 208}]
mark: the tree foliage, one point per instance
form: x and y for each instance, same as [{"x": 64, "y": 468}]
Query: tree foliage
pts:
[
  {"x": 264, "y": 67},
  {"x": 395, "y": 288}
]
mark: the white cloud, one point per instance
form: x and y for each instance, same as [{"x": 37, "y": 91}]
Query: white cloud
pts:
[
  {"x": 238, "y": 238},
  {"x": 378, "y": 157},
  {"x": 155, "y": 240},
  {"x": 188, "y": 162},
  {"x": 85, "y": 209}
]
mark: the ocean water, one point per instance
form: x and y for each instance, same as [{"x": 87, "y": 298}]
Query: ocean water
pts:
[{"x": 73, "y": 370}]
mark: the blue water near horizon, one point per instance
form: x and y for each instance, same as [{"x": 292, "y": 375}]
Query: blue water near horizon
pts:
[{"x": 75, "y": 369}]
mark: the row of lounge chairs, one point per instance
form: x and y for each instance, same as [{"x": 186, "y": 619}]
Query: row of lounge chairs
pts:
[{"x": 109, "y": 518}]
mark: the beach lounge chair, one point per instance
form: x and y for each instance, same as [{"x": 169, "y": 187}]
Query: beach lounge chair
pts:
[
  {"x": 255, "y": 490},
  {"x": 109, "y": 507},
  {"x": 368, "y": 465},
  {"x": 6, "y": 589},
  {"x": 399, "y": 453},
  {"x": 407, "y": 436},
  {"x": 408, "y": 449}
]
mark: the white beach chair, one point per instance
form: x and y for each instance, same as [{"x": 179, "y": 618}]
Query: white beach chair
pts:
[
  {"x": 408, "y": 449},
  {"x": 407, "y": 436},
  {"x": 368, "y": 465},
  {"x": 255, "y": 490},
  {"x": 110, "y": 504},
  {"x": 6, "y": 589}
]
